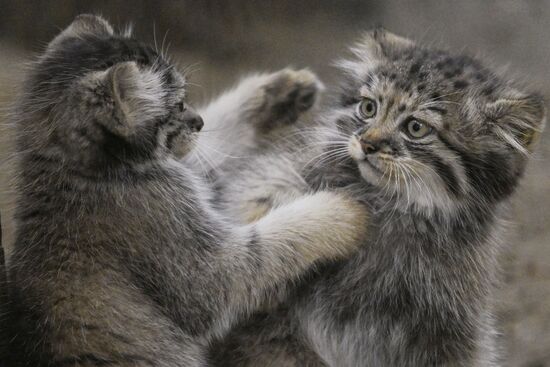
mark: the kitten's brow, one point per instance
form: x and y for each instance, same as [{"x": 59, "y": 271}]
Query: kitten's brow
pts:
[{"x": 439, "y": 110}]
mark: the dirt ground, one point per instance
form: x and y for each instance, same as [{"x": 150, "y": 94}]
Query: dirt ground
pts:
[{"x": 507, "y": 33}]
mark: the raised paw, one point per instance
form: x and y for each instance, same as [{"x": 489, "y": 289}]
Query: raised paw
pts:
[{"x": 287, "y": 95}]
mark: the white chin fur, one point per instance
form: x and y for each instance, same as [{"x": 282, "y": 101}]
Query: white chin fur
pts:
[
  {"x": 367, "y": 172},
  {"x": 423, "y": 197}
]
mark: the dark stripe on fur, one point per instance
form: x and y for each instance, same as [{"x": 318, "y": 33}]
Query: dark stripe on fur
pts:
[
  {"x": 439, "y": 110},
  {"x": 488, "y": 174},
  {"x": 443, "y": 170}
]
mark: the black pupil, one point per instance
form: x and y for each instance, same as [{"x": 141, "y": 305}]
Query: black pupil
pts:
[
  {"x": 369, "y": 107},
  {"x": 416, "y": 126},
  {"x": 181, "y": 107}
]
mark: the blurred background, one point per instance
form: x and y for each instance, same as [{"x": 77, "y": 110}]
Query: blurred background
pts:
[{"x": 221, "y": 41}]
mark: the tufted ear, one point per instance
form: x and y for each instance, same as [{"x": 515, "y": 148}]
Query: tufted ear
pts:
[
  {"x": 373, "y": 48},
  {"x": 82, "y": 25},
  {"x": 388, "y": 41},
  {"x": 137, "y": 96},
  {"x": 380, "y": 43},
  {"x": 518, "y": 119}
]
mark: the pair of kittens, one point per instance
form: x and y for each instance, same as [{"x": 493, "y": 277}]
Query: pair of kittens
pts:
[{"x": 126, "y": 256}]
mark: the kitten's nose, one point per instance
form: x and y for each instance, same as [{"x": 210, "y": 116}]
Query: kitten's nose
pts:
[
  {"x": 369, "y": 147},
  {"x": 193, "y": 120}
]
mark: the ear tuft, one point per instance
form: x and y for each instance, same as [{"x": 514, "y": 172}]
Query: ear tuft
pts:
[
  {"x": 383, "y": 43},
  {"x": 519, "y": 119},
  {"x": 85, "y": 24},
  {"x": 123, "y": 80},
  {"x": 137, "y": 96},
  {"x": 91, "y": 24},
  {"x": 373, "y": 48},
  {"x": 391, "y": 40}
]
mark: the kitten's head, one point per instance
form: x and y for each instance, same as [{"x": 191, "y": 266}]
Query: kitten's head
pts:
[
  {"x": 96, "y": 97},
  {"x": 433, "y": 129}
]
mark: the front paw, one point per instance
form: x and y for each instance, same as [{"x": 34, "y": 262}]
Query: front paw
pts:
[
  {"x": 340, "y": 224},
  {"x": 321, "y": 226},
  {"x": 287, "y": 95}
]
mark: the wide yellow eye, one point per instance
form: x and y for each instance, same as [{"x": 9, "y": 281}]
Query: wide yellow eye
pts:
[
  {"x": 417, "y": 129},
  {"x": 367, "y": 108}
]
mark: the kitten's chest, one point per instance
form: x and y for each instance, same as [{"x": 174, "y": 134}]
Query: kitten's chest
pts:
[{"x": 386, "y": 271}]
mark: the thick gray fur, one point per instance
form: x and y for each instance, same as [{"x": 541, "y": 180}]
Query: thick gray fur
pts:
[
  {"x": 419, "y": 291},
  {"x": 119, "y": 258}
]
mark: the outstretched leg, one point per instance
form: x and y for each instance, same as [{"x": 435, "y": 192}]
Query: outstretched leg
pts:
[{"x": 255, "y": 114}]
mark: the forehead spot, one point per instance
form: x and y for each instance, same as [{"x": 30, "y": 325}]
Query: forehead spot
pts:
[
  {"x": 480, "y": 77},
  {"x": 488, "y": 90},
  {"x": 414, "y": 68},
  {"x": 460, "y": 84}
]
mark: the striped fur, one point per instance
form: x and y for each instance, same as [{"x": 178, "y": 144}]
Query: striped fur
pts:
[
  {"x": 120, "y": 259},
  {"x": 419, "y": 291}
]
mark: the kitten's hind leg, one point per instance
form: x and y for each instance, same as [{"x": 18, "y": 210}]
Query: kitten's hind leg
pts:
[
  {"x": 286, "y": 95},
  {"x": 259, "y": 111}
]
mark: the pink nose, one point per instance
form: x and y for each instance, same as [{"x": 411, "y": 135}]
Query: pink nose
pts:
[{"x": 368, "y": 147}]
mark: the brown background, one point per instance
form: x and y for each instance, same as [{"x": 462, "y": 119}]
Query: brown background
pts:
[{"x": 221, "y": 41}]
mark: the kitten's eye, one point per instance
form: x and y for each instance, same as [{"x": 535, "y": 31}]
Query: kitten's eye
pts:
[
  {"x": 416, "y": 129},
  {"x": 367, "y": 108},
  {"x": 181, "y": 107}
]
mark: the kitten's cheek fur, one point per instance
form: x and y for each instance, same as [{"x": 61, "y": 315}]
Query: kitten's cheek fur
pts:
[
  {"x": 354, "y": 149},
  {"x": 330, "y": 225}
]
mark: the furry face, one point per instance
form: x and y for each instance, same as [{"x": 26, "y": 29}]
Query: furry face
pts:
[
  {"x": 106, "y": 99},
  {"x": 432, "y": 129}
]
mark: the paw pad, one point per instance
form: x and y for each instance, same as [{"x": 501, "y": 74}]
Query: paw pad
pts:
[{"x": 290, "y": 93}]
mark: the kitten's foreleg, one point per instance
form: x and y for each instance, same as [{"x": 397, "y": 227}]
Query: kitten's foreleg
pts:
[{"x": 283, "y": 244}]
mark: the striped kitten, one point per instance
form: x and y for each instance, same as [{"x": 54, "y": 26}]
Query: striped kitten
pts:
[
  {"x": 436, "y": 144},
  {"x": 119, "y": 257}
]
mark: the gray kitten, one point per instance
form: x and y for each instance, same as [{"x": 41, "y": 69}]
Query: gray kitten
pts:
[
  {"x": 436, "y": 144},
  {"x": 119, "y": 258}
]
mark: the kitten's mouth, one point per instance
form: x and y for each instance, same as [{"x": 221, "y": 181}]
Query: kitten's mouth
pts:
[
  {"x": 374, "y": 167},
  {"x": 180, "y": 141},
  {"x": 356, "y": 152}
]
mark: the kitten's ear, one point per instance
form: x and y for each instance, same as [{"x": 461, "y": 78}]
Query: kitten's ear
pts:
[
  {"x": 518, "y": 119},
  {"x": 373, "y": 48},
  {"x": 82, "y": 25},
  {"x": 389, "y": 41},
  {"x": 380, "y": 43},
  {"x": 137, "y": 96}
]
